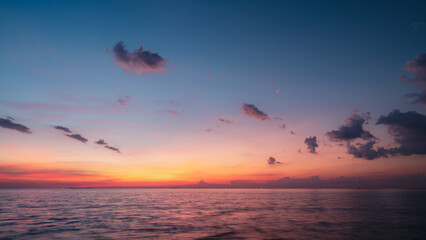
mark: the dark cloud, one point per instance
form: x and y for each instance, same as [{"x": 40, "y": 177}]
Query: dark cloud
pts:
[
  {"x": 351, "y": 129},
  {"x": 282, "y": 126},
  {"x": 366, "y": 151},
  {"x": 77, "y": 137},
  {"x": 113, "y": 149},
  {"x": 123, "y": 101},
  {"x": 311, "y": 143},
  {"x": 139, "y": 61},
  {"x": 63, "y": 129},
  {"x": 408, "y": 130},
  {"x": 292, "y": 132},
  {"x": 225, "y": 121},
  {"x": 7, "y": 123},
  {"x": 101, "y": 142},
  {"x": 273, "y": 161},
  {"x": 252, "y": 111},
  {"x": 417, "y": 68}
]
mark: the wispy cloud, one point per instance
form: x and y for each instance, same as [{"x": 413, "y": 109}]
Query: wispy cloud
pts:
[
  {"x": 139, "y": 61},
  {"x": 123, "y": 101},
  {"x": 252, "y": 111},
  {"x": 417, "y": 68},
  {"x": 102, "y": 142},
  {"x": 9, "y": 124},
  {"x": 225, "y": 121}
]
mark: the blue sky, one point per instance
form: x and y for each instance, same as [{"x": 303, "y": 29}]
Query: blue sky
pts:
[{"x": 327, "y": 58}]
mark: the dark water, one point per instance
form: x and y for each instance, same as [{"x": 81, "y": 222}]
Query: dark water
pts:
[{"x": 212, "y": 214}]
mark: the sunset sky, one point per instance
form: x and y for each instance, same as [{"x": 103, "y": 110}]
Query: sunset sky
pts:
[{"x": 220, "y": 91}]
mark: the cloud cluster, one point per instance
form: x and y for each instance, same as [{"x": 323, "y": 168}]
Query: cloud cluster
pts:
[
  {"x": 417, "y": 68},
  {"x": 273, "y": 161},
  {"x": 139, "y": 61},
  {"x": 252, "y": 111},
  {"x": 311, "y": 143},
  {"x": 351, "y": 129},
  {"x": 408, "y": 130},
  {"x": 366, "y": 151},
  {"x": 9, "y": 124},
  {"x": 102, "y": 142}
]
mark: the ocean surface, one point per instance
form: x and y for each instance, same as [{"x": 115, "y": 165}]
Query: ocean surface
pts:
[{"x": 212, "y": 214}]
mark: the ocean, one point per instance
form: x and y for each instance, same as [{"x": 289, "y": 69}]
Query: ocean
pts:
[{"x": 212, "y": 214}]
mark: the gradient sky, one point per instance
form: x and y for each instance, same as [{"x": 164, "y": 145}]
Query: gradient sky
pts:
[{"x": 257, "y": 65}]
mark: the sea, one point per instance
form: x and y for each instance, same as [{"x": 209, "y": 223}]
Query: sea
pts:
[{"x": 212, "y": 214}]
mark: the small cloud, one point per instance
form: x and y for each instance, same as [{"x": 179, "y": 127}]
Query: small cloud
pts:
[
  {"x": 113, "y": 149},
  {"x": 277, "y": 91},
  {"x": 209, "y": 75},
  {"x": 123, "y": 101},
  {"x": 292, "y": 132},
  {"x": 252, "y": 111},
  {"x": 417, "y": 68},
  {"x": 171, "y": 112},
  {"x": 63, "y": 129},
  {"x": 77, "y": 137},
  {"x": 139, "y": 61},
  {"x": 282, "y": 126},
  {"x": 101, "y": 142},
  {"x": 225, "y": 121},
  {"x": 273, "y": 161},
  {"x": 278, "y": 118},
  {"x": 8, "y": 123},
  {"x": 311, "y": 143},
  {"x": 208, "y": 130}
]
